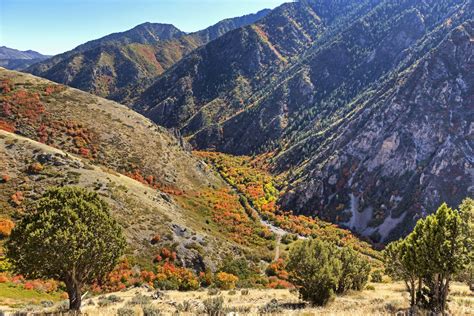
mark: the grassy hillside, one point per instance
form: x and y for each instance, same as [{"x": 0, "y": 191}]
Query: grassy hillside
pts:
[{"x": 152, "y": 181}]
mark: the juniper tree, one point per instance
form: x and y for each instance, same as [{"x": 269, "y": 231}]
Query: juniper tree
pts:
[
  {"x": 319, "y": 269},
  {"x": 314, "y": 268},
  {"x": 355, "y": 270},
  {"x": 67, "y": 235},
  {"x": 439, "y": 247}
]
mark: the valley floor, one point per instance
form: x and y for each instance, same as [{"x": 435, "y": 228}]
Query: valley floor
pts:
[{"x": 384, "y": 299}]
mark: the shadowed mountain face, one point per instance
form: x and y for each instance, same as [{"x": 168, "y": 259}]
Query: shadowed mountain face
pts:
[
  {"x": 121, "y": 65},
  {"x": 17, "y": 60},
  {"x": 365, "y": 107}
]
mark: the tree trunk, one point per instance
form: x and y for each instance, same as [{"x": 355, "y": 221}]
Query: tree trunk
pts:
[
  {"x": 412, "y": 292},
  {"x": 74, "y": 292},
  {"x": 444, "y": 295},
  {"x": 418, "y": 293}
]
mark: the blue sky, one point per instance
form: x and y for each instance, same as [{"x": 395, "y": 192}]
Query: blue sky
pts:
[{"x": 55, "y": 26}]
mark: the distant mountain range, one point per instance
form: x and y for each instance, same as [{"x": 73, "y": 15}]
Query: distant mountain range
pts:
[
  {"x": 17, "y": 60},
  {"x": 364, "y": 109},
  {"x": 117, "y": 65}
]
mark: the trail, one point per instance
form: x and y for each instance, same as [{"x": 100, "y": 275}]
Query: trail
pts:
[{"x": 278, "y": 231}]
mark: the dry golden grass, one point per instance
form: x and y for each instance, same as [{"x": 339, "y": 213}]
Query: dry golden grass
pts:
[{"x": 386, "y": 299}]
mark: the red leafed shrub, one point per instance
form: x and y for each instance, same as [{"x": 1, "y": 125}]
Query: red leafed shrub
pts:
[
  {"x": 6, "y": 227},
  {"x": 85, "y": 152},
  {"x": 42, "y": 133},
  {"x": 7, "y": 126},
  {"x": 152, "y": 182},
  {"x": 51, "y": 89},
  {"x": 28, "y": 285},
  {"x": 205, "y": 278},
  {"x": 225, "y": 281},
  {"x": 17, "y": 279},
  {"x": 275, "y": 283},
  {"x": 165, "y": 255},
  {"x": 170, "y": 277},
  {"x": 147, "y": 276},
  {"x": 155, "y": 239},
  {"x": 277, "y": 269},
  {"x": 3, "y": 278},
  {"x": 5, "y": 178},
  {"x": 17, "y": 198},
  {"x": 35, "y": 168},
  {"x": 6, "y": 86}
]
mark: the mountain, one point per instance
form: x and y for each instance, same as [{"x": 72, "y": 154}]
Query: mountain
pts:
[
  {"x": 160, "y": 192},
  {"x": 120, "y": 65},
  {"x": 53, "y": 135},
  {"x": 17, "y": 60},
  {"x": 220, "y": 79},
  {"x": 363, "y": 107}
]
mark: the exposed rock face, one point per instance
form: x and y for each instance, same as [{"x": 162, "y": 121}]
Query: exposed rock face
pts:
[
  {"x": 404, "y": 151},
  {"x": 366, "y": 107}
]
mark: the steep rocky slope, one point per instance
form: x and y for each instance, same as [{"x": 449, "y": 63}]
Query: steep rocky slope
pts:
[
  {"x": 17, "y": 60},
  {"x": 402, "y": 152},
  {"x": 217, "y": 81},
  {"x": 305, "y": 97},
  {"x": 120, "y": 65}
]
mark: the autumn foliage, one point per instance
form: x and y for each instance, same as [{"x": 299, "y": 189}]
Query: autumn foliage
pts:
[
  {"x": 249, "y": 178},
  {"x": 225, "y": 281},
  {"x": 17, "y": 198},
  {"x": 6, "y": 227},
  {"x": 44, "y": 286}
]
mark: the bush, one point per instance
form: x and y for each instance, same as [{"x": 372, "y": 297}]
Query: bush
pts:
[
  {"x": 271, "y": 307},
  {"x": 288, "y": 238},
  {"x": 35, "y": 168},
  {"x": 6, "y": 227},
  {"x": 320, "y": 269},
  {"x": 213, "y": 291},
  {"x": 108, "y": 300},
  {"x": 314, "y": 268},
  {"x": 125, "y": 311},
  {"x": 225, "y": 281},
  {"x": 376, "y": 276},
  {"x": 355, "y": 271},
  {"x": 213, "y": 306},
  {"x": 370, "y": 288},
  {"x": 171, "y": 277},
  {"x": 140, "y": 299},
  {"x": 238, "y": 267},
  {"x": 244, "y": 292},
  {"x": 150, "y": 310}
]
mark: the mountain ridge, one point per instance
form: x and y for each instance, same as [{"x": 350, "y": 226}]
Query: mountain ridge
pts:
[
  {"x": 120, "y": 65},
  {"x": 17, "y": 60}
]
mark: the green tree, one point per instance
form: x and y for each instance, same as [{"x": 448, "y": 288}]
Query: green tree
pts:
[
  {"x": 314, "y": 268},
  {"x": 439, "y": 248},
  {"x": 68, "y": 235},
  {"x": 355, "y": 271},
  {"x": 319, "y": 269}
]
